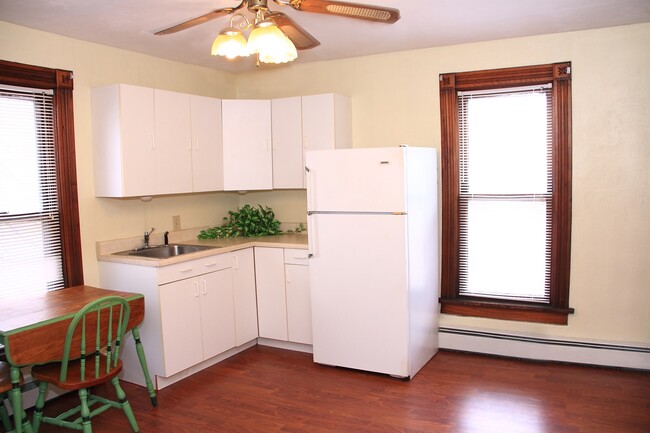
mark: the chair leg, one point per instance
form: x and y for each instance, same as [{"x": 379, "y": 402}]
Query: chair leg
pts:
[
  {"x": 4, "y": 415},
  {"x": 85, "y": 411},
  {"x": 38, "y": 407},
  {"x": 126, "y": 407}
]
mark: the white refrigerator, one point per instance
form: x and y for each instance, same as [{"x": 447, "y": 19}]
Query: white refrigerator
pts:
[{"x": 373, "y": 245}]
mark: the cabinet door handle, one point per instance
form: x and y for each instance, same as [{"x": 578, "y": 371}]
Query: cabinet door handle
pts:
[
  {"x": 235, "y": 262},
  {"x": 152, "y": 139},
  {"x": 288, "y": 276},
  {"x": 204, "y": 291},
  {"x": 196, "y": 289}
]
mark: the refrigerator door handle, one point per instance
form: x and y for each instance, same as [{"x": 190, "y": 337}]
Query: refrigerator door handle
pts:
[
  {"x": 309, "y": 184},
  {"x": 311, "y": 235}
]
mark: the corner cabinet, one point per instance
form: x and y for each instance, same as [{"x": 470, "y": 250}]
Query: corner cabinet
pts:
[
  {"x": 247, "y": 158},
  {"x": 326, "y": 122},
  {"x": 302, "y": 123},
  {"x": 283, "y": 294},
  {"x": 195, "y": 311},
  {"x": 149, "y": 141}
]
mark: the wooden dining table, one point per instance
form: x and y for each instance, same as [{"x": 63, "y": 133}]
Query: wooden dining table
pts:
[{"x": 33, "y": 329}]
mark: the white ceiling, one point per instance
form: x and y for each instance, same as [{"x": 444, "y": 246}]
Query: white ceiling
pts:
[{"x": 130, "y": 24}]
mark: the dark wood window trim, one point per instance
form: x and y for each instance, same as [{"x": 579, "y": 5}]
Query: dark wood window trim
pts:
[
  {"x": 61, "y": 82},
  {"x": 557, "y": 310}
]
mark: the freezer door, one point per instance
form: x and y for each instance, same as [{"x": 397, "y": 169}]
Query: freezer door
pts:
[
  {"x": 356, "y": 180},
  {"x": 359, "y": 292}
]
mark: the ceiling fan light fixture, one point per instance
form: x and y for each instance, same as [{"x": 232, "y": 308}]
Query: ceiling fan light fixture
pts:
[
  {"x": 270, "y": 44},
  {"x": 230, "y": 43}
]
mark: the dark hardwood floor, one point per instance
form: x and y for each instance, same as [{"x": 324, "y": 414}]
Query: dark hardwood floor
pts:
[{"x": 271, "y": 390}]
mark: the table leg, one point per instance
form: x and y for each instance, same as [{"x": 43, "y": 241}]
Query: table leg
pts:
[
  {"x": 145, "y": 368},
  {"x": 15, "y": 397}
]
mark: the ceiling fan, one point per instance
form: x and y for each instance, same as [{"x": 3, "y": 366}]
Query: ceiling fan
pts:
[{"x": 299, "y": 36}]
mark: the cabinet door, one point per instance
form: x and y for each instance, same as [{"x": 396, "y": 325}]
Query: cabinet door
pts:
[
  {"x": 123, "y": 137},
  {"x": 173, "y": 142},
  {"x": 207, "y": 145},
  {"x": 298, "y": 303},
  {"x": 247, "y": 160},
  {"x": 326, "y": 122},
  {"x": 288, "y": 161},
  {"x": 271, "y": 300},
  {"x": 180, "y": 313},
  {"x": 217, "y": 312},
  {"x": 245, "y": 296}
]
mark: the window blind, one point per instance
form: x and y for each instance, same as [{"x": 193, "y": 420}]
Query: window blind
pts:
[
  {"x": 505, "y": 197},
  {"x": 30, "y": 245}
]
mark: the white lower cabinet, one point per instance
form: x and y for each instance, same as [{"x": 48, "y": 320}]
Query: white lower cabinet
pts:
[
  {"x": 198, "y": 310},
  {"x": 245, "y": 298},
  {"x": 195, "y": 311},
  {"x": 271, "y": 297},
  {"x": 198, "y": 319},
  {"x": 296, "y": 271},
  {"x": 283, "y": 297}
]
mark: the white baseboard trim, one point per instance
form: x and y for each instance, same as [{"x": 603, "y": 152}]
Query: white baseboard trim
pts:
[
  {"x": 545, "y": 349},
  {"x": 287, "y": 345}
]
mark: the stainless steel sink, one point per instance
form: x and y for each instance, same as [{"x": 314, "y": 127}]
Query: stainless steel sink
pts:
[{"x": 166, "y": 251}]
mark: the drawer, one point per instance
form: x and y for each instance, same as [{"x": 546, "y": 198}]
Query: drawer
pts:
[
  {"x": 191, "y": 268},
  {"x": 296, "y": 256}
]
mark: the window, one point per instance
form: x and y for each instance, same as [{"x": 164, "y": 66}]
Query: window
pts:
[
  {"x": 40, "y": 246},
  {"x": 506, "y": 187}
]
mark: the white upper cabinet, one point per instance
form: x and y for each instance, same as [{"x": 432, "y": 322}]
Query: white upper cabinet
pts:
[
  {"x": 306, "y": 123},
  {"x": 149, "y": 141},
  {"x": 173, "y": 142},
  {"x": 124, "y": 162},
  {"x": 207, "y": 144},
  {"x": 326, "y": 122},
  {"x": 288, "y": 164},
  {"x": 247, "y": 159}
]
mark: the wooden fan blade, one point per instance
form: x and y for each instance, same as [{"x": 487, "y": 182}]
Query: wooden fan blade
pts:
[
  {"x": 346, "y": 9},
  {"x": 299, "y": 36},
  {"x": 200, "y": 20}
]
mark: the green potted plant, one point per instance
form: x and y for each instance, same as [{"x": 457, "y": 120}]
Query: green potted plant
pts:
[{"x": 246, "y": 221}]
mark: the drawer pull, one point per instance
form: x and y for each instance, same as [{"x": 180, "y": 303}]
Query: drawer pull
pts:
[{"x": 186, "y": 270}]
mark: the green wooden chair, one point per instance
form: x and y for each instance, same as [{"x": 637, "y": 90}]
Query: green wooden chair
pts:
[
  {"x": 5, "y": 387},
  {"x": 90, "y": 357}
]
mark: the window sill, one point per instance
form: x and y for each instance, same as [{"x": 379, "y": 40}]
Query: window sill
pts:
[{"x": 506, "y": 311}]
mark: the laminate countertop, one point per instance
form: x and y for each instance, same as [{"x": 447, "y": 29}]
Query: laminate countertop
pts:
[{"x": 106, "y": 249}]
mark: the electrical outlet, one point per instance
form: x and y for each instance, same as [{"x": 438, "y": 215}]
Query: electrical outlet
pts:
[{"x": 176, "y": 222}]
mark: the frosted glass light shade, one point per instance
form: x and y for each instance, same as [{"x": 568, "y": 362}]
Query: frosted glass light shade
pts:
[
  {"x": 272, "y": 46},
  {"x": 231, "y": 44}
]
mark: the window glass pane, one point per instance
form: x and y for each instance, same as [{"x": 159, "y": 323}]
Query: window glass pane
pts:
[
  {"x": 507, "y": 138},
  {"x": 19, "y": 177},
  {"x": 30, "y": 237},
  {"x": 506, "y": 249}
]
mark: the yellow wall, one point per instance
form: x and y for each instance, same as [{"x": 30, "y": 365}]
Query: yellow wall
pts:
[
  {"x": 395, "y": 100},
  {"x": 96, "y": 65}
]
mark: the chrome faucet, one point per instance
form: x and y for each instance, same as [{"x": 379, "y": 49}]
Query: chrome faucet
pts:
[{"x": 146, "y": 237}]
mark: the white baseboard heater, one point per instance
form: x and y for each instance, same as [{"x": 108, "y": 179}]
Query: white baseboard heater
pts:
[{"x": 545, "y": 349}]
